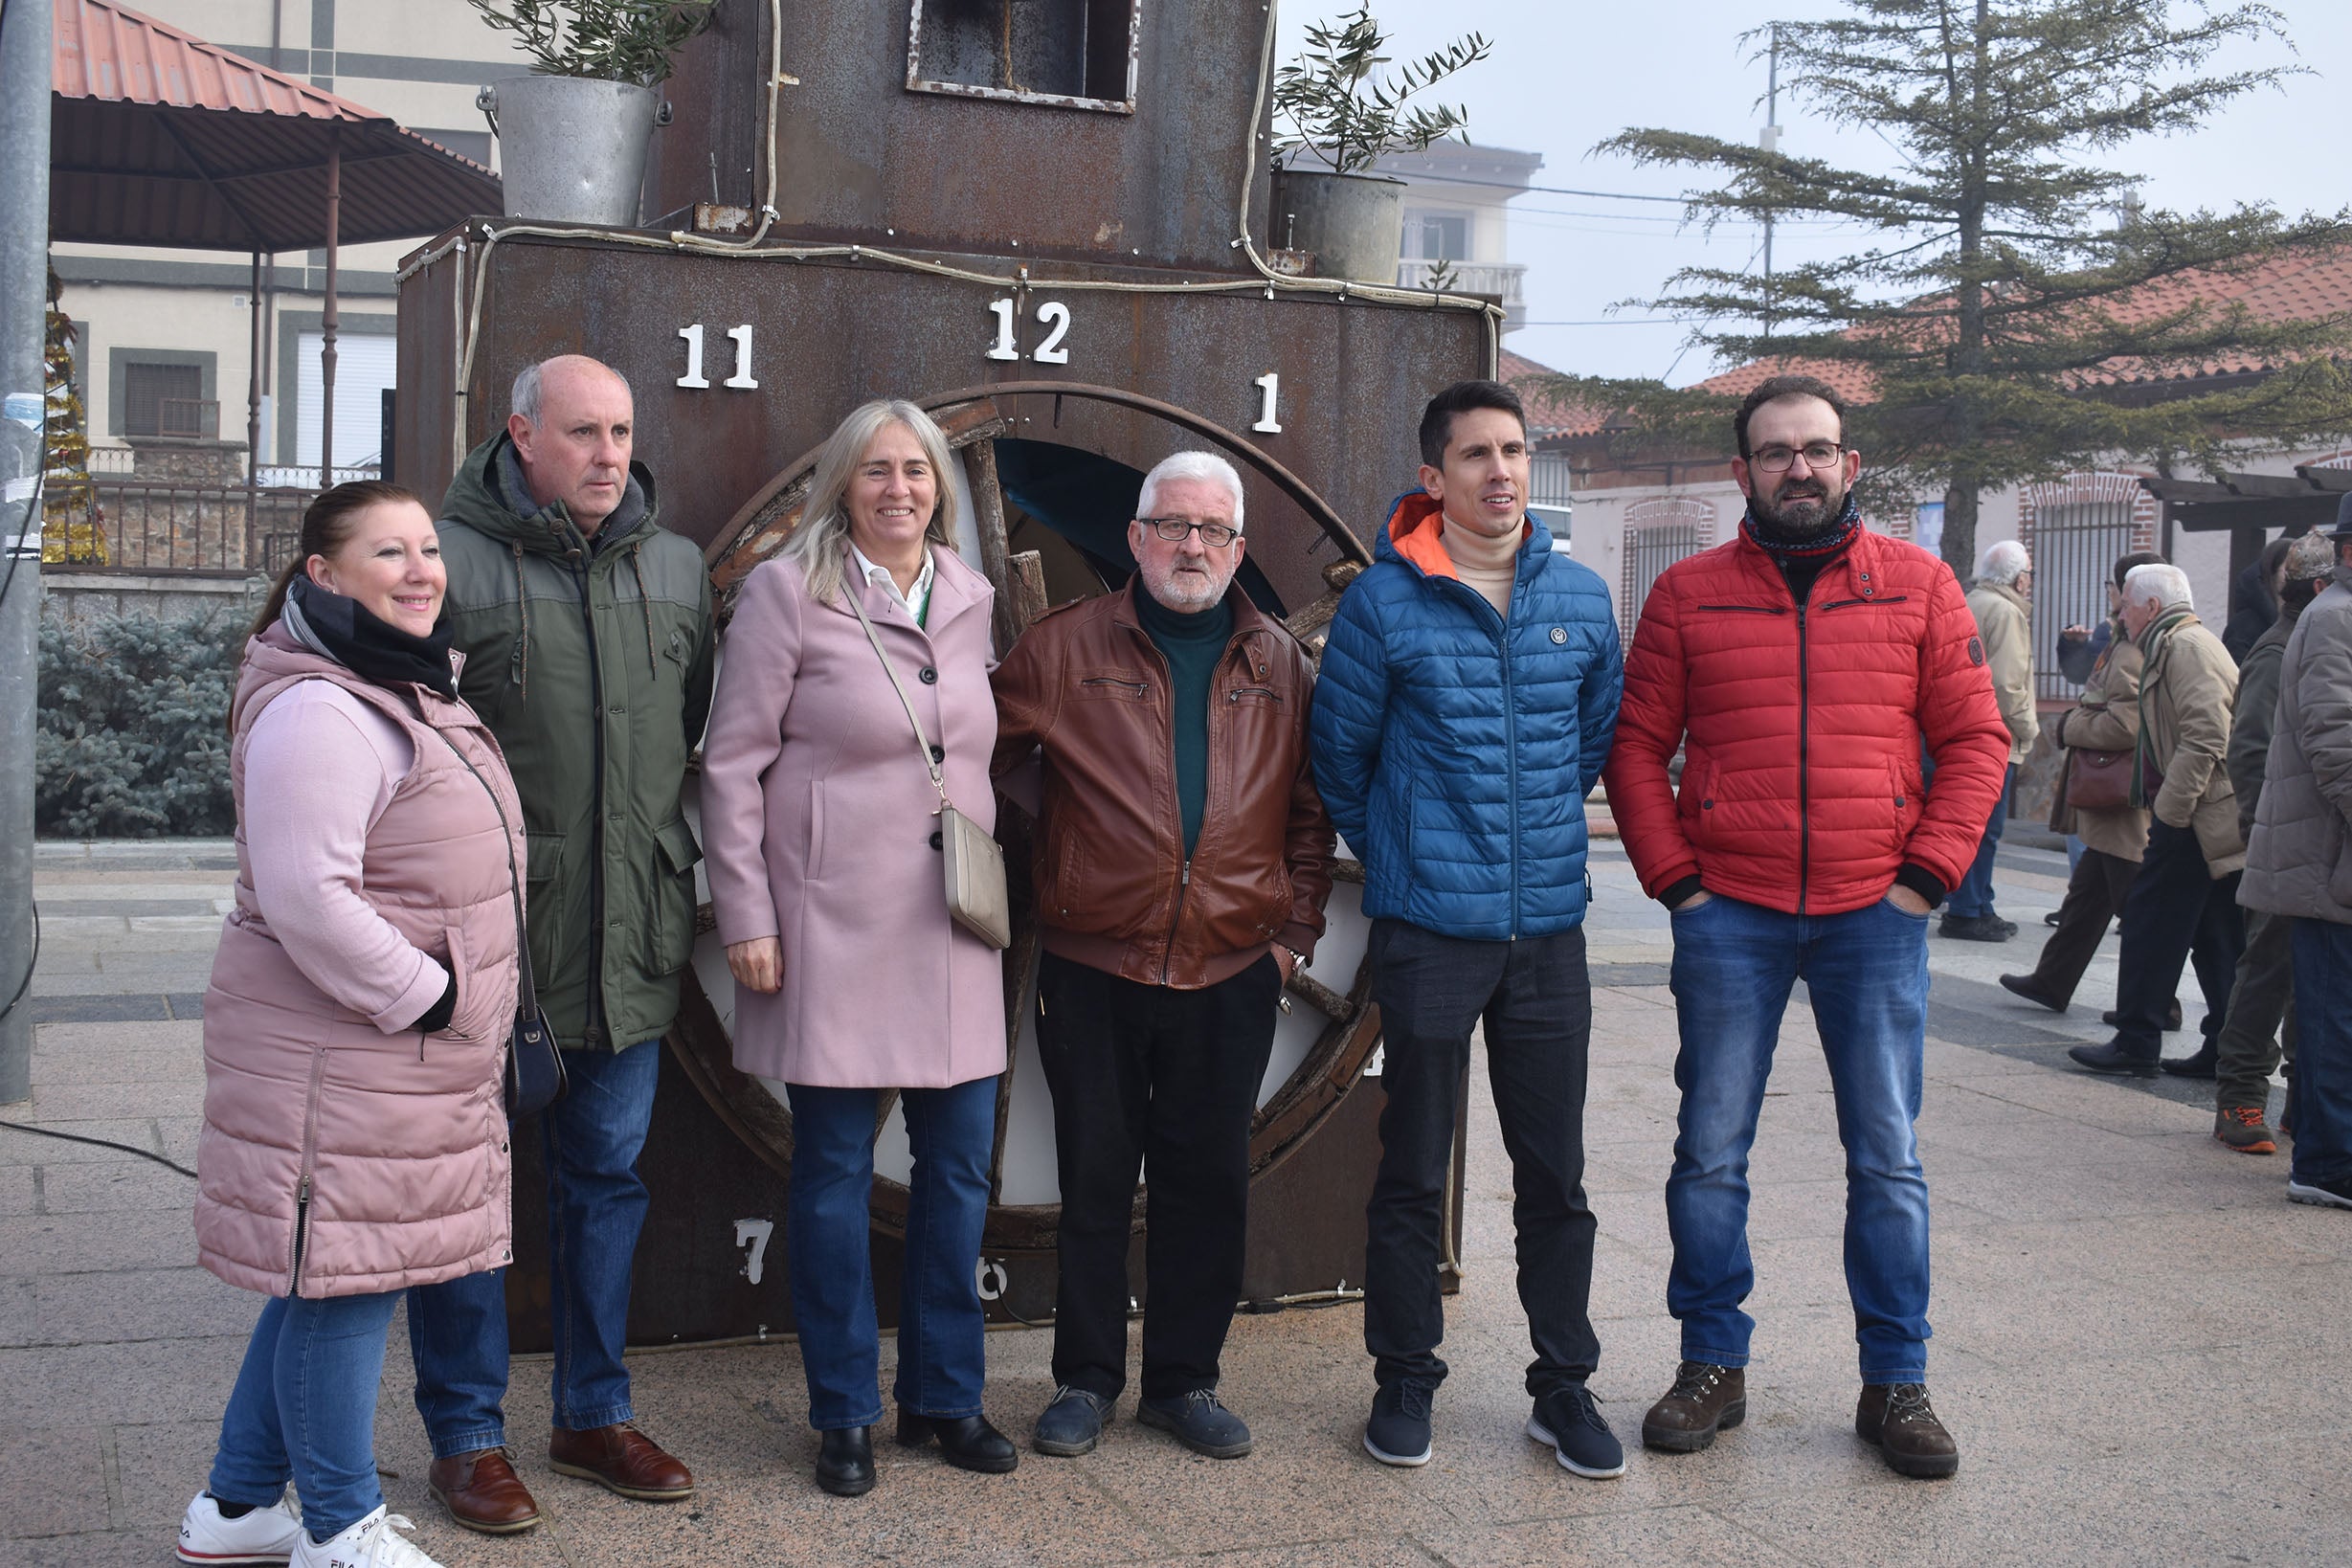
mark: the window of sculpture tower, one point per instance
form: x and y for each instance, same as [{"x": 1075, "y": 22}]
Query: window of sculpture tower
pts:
[{"x": 1070, "y": 53}]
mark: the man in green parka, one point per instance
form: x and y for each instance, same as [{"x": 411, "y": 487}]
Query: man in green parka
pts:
[{"x": 588, "y": 643}]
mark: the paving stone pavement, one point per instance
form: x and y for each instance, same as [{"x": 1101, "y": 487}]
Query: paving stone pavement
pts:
[{"x": 2139, "y": 1343}]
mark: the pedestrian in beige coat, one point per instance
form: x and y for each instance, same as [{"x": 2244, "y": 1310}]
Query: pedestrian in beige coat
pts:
[
  {"x": 2001, "y": 603},
  {"x": 2184, "y": 900}
]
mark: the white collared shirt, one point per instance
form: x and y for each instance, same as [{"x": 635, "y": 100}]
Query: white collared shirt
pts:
[{"x": 914, "y": 603}]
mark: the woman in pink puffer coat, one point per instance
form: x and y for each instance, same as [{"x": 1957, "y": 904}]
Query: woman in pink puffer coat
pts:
[{"x": 354, "y": 1034}]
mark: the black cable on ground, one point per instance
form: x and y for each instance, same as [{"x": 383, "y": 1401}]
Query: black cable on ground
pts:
[
  {"x": 99, "y": 1143},
  {"x": 31, "y": 964}
]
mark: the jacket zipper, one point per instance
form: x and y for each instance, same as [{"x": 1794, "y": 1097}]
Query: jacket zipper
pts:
[
  {"x": 1142, "y": 689},
  {"x": 1748, "y": 609},
  {"x": 1847, "y": 604},
  {"x": 301, "y": 1189},
  {"x": 1511, "y": 722},
  {"x": 596, "y": 1019},
  {"x": 1805, "y": 775}
]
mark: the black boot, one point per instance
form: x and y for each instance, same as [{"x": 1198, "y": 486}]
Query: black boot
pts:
[
  {"x": 846, "y": 1461},
  {"x": 966, "y": 1442},
  {"x": 2199, "y": 1065}
]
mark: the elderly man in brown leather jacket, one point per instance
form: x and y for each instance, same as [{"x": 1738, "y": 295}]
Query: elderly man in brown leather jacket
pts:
[{"x": 1182, "y": 860}]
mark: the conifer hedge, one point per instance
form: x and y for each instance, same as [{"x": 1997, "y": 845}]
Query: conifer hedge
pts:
[{"x": 133, "y": 734}]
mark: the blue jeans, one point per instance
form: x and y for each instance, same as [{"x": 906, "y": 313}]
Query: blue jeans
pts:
[
  {"x": 1974, "y": 896},
  {"x": 941, "y": 1355},
  {"x": 2322, "y": 1051},
  {"x": 596, "y": 1207},
  {"x": 303, "y": 1409},
  {"x": 1734, "y": 965}
]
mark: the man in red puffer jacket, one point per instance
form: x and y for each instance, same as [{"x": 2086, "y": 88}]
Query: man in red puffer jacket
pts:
[{"x": 1808, "y": 662}]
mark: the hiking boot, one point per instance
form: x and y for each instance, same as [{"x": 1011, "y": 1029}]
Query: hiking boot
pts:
[
  {"x": 2022, "y": 985},
  {"x": 2333, "y": 1195},
  {"x": 1705, "y": 1399},
  {"x": 1975, "y": 928},
  {"x": 1199, "y": 1422},
  {"x": 1897, "y": 1420},
  {"x": 2107, "y": 1059},
  {"x": 2240, "y": 1127},
  {"x": 1568, "y": 1420},
  {"x": 1399, "y": 1430},
  {"x": 1071, "y": 1425},
  {"x": 2172, "y": 1018}
]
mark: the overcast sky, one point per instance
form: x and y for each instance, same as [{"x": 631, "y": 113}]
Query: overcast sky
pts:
[{"x": 1564, "y": 75}]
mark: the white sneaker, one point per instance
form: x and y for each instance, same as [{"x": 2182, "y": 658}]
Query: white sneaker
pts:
[
  {"x": 367, "y": 1544},
  {"x": 262, "y": 1537}
]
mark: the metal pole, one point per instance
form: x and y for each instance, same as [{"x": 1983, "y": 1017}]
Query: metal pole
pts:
[
  {"x": 253, "y": 423},
  {"x": 326, "y": 322},
  {"x": 24, "y": 274},
  {"x": 1771, "y": 140}
]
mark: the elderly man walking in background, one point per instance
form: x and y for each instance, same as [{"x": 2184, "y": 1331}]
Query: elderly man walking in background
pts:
[
  {"x": 2002, "y": 604},
  {"x": 1183, "y": 859},
  {"x": 2300, "y": 866},
  {"x": 2184, "y": 900},
  {"x": 587, "y": 633},
  {"x": 2262, "y": 994}
]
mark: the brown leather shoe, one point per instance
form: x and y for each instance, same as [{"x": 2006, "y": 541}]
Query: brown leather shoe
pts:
[
  {"x": 1705, "y": 1399},
  {"x": 1899, "y": 1422},
  {"x": 483, "y": 1492},
  {"x": 621, "y": 1459}
]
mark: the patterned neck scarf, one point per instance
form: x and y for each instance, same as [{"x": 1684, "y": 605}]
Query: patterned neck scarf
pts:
[{"x": 1832, "y": 537}]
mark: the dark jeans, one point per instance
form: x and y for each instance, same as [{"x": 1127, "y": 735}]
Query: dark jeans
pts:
[
  {"x": 1974, "y": 896},
  {"x": 303, "y": 1408},
  {"x": 1535, "y": 998},
  {"x": 596, "y": 1208},
  {"x": 2323, "y": 1054},
  {"x": 941, "y": 1332},
  {"x": 2175, "y": 912},
  {"x": 2261, "y": 1014},
  {"x": 1865, "y": 975},
  {"x": 2094, "y": 895},
  {"x": 1166, "y": 1081}
]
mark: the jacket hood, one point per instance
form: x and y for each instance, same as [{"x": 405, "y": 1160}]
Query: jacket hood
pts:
[
  {"x": 489, "y": 496},
  {"x": 1410, "y": 538}
]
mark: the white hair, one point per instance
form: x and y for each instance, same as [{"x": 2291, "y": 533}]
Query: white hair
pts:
[
  {"x": 2159, "y": 583},
  {"x": 2004, "y": 562},
  {"x": 1206, "y": 467}
]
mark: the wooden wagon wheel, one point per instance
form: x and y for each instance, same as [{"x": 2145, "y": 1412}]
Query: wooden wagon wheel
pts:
[{"x": 972, "y": 421}]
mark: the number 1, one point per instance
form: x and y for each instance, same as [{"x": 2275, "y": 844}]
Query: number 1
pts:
[
  {"x": 742, "y": 378},
  {"x": 1003, "y": 347},
  {"x": 1269, "y": 385},
  {"x": 694, "y": 377}
]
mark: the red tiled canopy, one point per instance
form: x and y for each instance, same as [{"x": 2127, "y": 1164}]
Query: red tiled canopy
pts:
[{"x": 158, "y": 137}]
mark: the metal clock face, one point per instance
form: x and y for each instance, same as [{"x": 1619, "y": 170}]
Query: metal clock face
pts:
[{"x": 1323, "y": 1043}]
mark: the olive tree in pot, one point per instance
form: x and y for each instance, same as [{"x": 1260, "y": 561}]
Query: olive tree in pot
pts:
[
  {"x": 1334, "y": 108},
  {"x": 573, "y": 134}
]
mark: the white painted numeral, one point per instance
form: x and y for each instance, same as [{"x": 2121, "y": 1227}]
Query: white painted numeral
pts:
[
  {"x": 694, "y": 377},
  {"x": 742, "y": 379},
  {"x": 1056, "y": 315},
  {"x": 1269, "y": 387},
  {"x": 754, "y": 1234},
  {"x": 1002, "y": 348}
]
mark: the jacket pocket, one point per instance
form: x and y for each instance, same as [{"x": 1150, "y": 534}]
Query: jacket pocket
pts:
[
  {"x": 673, "y": 917},
  {"x": 1696, "y": 801},
  {"x": 464, "y": 1024},
  {"x": 542, "y": 870}
]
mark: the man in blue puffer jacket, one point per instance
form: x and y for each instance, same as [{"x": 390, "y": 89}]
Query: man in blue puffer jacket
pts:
[{"x": 1467, "y": 700}]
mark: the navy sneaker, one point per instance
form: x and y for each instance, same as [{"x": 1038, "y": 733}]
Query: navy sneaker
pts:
[
  {"x": 1200, "y": 1422},
  {"x": 1399, "y": 1430},
  {"x": 1072, "y": 1424},
  {"x": 1567, "y": 1419}
]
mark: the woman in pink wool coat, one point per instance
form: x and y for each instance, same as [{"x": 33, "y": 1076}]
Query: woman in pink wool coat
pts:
[
  {"x": 822, "y": 837},
  {"x": 354, "y": 1034}
]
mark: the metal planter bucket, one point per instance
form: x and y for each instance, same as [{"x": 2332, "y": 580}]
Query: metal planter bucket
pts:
[
  {"x": 571, "y": 148},
  {"x": 1354, "y": 223}
]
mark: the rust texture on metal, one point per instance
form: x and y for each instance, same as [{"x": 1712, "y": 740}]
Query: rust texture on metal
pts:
[
  {"x": 828, "y": 335},
  {"x": 972, "y": 173}
]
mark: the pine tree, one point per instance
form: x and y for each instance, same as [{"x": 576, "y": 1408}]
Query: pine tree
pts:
[{"x": 2006, "y": 263}]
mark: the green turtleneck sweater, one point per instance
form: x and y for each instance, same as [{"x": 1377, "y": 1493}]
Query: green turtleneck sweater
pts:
[{"x": 1191, "y": 645}]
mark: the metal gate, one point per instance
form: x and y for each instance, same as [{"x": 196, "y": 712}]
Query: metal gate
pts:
[
  {"x": 1650, "y": 548},
  {"x": 2076, "y": 546}
]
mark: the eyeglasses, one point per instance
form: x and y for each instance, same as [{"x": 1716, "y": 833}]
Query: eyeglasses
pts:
[
  {"x": 1780, "y": 460},
  {"x": 1215, "y": 535}
]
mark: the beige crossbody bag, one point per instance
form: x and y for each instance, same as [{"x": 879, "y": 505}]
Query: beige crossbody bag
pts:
[{"x": 976, "y": 897}]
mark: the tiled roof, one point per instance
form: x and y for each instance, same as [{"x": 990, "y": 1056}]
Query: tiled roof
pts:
[
  {"x": 158, "y": 138},
  {"x": 1547, "y": 415}
]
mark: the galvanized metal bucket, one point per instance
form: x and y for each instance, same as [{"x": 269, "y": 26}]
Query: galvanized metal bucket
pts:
[
  {"x": 1353, "y": 223},
  {"x": 572, "y": 150}
]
